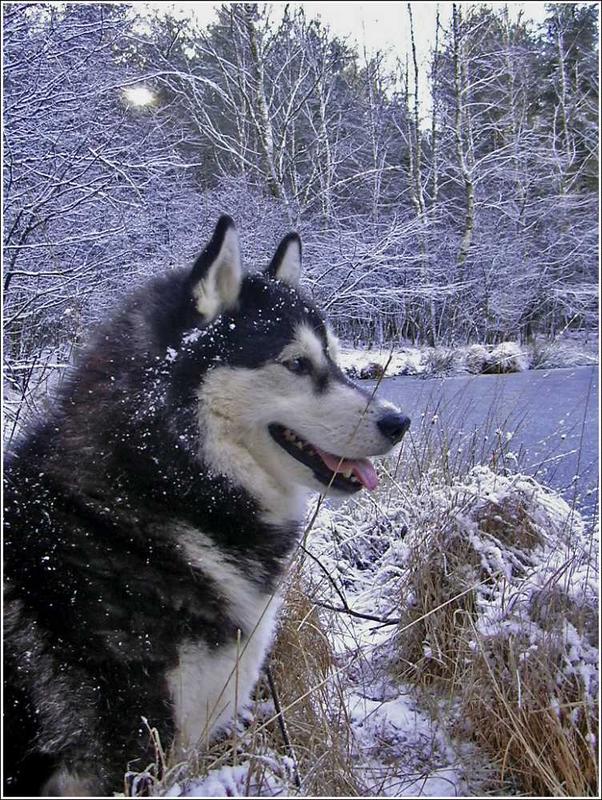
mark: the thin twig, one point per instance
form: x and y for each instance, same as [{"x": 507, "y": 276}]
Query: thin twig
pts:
[
  {"x": 324, "y": 569},
  {"x": 358, "y": 614},
  {"x": 346, "y": 607},
  {"x": 283, "y": 729}
]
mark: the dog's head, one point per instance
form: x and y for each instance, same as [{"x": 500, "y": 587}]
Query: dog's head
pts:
[{"x": 270, "y": 398}]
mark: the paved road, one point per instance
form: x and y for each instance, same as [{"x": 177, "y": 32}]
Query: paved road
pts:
[{"x": 551, "y": 415}]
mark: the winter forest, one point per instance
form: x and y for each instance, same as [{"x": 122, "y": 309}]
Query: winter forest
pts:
[{"x": 474, "y": 220}]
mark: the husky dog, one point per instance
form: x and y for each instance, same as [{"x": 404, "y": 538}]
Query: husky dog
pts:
[{"x": 149, "y": 518}]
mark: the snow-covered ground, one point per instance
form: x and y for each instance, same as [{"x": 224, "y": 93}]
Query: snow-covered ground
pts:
[{"x": 399, "y": 566}]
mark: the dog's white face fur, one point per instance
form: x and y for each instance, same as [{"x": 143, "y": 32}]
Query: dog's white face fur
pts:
[{"x": 237, "y": 406}]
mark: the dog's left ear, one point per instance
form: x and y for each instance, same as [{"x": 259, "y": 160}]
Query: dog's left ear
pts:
[
  {"x": 216, "y": 276},
  {"x": 286, "y": 264}
]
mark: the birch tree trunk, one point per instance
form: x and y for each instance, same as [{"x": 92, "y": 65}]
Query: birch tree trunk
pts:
[
  {"x": 415, "y": 143},
  {"x": 462, "y": 132},
  {"x": 262, "y": 116}
]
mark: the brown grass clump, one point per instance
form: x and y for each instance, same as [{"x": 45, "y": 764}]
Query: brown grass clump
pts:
[
  {"x": 445, "y": 573},
  {"x": 541, "y": 730},
  {"x": 316, "y": 718},
  {"x": 475, "y": 625},
  {"x": 430, "y": 638}
]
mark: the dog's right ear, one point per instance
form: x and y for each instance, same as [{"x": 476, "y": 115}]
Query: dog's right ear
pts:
[
  {"x": 286, "y": 264},
  {"x": 216, "y": 276}
]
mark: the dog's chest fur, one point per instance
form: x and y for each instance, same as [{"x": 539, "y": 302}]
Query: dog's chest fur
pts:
[{"x": 213, "y": 679}]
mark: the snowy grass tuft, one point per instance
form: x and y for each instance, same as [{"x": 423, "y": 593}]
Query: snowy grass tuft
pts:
[
  {"x": 498, "y": 608},
  {"x": 247, "y": 760},
  {"x": 563, "y": 353}
]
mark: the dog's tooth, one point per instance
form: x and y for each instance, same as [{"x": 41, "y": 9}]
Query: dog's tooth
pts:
[{"x": 347, "y": 473}]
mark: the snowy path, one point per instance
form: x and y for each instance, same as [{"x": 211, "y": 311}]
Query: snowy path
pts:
[{"x": 551, "y": 414}]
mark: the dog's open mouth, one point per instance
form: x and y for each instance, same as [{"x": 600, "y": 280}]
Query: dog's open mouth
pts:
[{"x": 345, "y": 474}]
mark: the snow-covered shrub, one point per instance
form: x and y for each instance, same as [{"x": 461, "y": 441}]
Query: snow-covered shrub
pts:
[
  {"x": 499, "y": 602},
  {"x": 505, "y": 357},
  {"x": 508, "y": 357},
  {"x": 477, "y": 359},
  {"x": 440, "y": 360},
  {"x": 559, "y": 354},
  {"x": 372, "y": 371}
]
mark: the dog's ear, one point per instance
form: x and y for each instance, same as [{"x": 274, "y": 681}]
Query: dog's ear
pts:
[
  {"x": 286, "y": 264},
  {"x": 217, "y": 273}
]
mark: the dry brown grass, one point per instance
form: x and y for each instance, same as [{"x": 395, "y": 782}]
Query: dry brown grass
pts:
[
  {"x": 316, "y": 720},
  {"x": 537, "y": 723},
  {"x": 540, "y": 731}
]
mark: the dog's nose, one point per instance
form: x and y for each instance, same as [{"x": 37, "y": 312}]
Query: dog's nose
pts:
[{"x": 393, "y": 426}]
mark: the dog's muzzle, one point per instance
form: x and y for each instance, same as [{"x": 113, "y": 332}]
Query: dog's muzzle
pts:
[{"x": 345, "y": 474}]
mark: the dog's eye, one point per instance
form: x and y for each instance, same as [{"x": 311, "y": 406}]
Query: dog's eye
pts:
[{"x": 300, "y": 366}]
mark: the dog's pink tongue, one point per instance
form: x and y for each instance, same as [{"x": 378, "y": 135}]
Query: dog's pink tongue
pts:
[{"x": 362, "y": 468}]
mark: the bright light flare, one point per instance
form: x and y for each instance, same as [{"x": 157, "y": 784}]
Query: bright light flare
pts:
[{"x": 139, "y": 95}]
